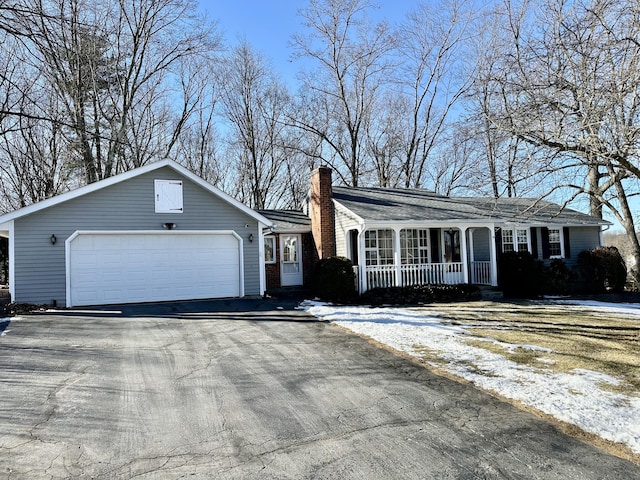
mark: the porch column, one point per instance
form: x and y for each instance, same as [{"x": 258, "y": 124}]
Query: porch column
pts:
[
  {"x": 463, "y": 255},
  {"x": 362, "y": 267},
  {"x": 472, "y": 254},
  {"x": 493, "y": 256},
  {"x": 396, "y": 256}
]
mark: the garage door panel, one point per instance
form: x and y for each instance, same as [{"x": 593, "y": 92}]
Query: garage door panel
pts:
[{"x": 143, "y": 267}]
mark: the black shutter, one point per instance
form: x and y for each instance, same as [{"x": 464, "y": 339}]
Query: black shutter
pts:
[
  {"x": 567, "y": 243},
  {"x": 434, "y": 238},
  {"x": 545, "y": 242},
  {"x": 534, "y": 242}
]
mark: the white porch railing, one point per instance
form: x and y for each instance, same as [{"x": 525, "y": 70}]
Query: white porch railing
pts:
[
  {"x": 418, "y": 274},
  {"x": 481, "y": 273},
  {"x": 380, "y": 276}
]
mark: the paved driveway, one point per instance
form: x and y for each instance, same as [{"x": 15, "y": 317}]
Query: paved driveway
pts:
[{"x": 172, "y": 393}]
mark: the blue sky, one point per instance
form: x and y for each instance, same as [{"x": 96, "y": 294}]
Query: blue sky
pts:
[{"x": 269, "y": 24}]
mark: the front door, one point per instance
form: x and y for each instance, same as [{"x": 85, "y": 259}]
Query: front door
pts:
[{"x": 291, "y": 260}]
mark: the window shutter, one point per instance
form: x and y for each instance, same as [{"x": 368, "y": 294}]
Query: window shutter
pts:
[
  {"x": 545, "y": 242},
  {"x": 434, "y": 237},
  {"x": 567, "y": 243},
  {"x": 534, "y": 242},
  {"x": 499, "y": 240}
]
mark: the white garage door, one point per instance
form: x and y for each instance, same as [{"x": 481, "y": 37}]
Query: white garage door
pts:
[{"x": 131, "y": 267}]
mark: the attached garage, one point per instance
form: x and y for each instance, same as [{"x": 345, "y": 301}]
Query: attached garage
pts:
[
  {"x": 134, "y": 266},
  {"x": 157, "y": 233}
]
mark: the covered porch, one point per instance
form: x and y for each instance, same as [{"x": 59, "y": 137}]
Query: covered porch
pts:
[{"x": 392, "y": 255}]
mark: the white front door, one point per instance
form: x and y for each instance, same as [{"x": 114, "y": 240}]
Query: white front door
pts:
[{"x": 290, "y": 260}]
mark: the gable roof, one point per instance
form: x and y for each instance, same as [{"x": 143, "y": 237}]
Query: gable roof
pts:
[
  {"x": 288, "y": 220},
  {"x": 92, "y": 187},
  {"x": 403, "y": 205}
]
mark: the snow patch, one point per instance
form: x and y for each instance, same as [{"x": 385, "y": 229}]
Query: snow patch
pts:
[{"x": 575, "y": 397}]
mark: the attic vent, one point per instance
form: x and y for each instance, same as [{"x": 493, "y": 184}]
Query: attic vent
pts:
[{"x": 168, "y": 196}]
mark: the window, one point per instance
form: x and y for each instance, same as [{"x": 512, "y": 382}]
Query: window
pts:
[
  {"x": 452, "y": 246},
  {"x": 168, "y": 196},
  {"x": 269, "y": 249},
  {"x": 378, "y": 247},
  {"x": 555, "y": 248},
  {"x": 414, "y": 246},
  {"x": 515, "y": 240},
  {"x": 507, "y": 240}
]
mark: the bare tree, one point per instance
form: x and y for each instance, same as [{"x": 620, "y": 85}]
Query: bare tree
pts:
[
  {"x": 431, "y": 45},
  {"x": 350, "y": 54},
  {"x": 255, "y": 103},
  {"x": 109, "y": 63},
  {"x": 567, "y": 75}
]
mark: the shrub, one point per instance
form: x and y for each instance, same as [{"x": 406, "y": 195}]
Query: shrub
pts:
[
  {"x": 602, "y": 269},
  {"x": 559, "y": 279},
  {"x": 420, "y": 294},
  {"x": 521, "y": 275},
  {"x": 334, "y": 279}
]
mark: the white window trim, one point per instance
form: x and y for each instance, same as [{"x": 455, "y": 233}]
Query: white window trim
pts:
[
  {"x": 514, "y": 237},
  {"x": 172, "y": 203},
  {"x": 271, "y": 238},
  {"x": 561, "y": 242}
]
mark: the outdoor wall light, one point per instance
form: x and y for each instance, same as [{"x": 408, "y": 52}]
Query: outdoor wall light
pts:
[
  {"x": 251, "y": 237},
  {"x": 169, "y": 226},
  {"x": 53, "y": 239}
]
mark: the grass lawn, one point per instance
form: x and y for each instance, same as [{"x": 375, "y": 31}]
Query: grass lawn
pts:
[{"x": 571, "y": 337}]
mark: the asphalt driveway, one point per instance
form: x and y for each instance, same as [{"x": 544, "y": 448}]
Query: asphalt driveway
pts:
[{"x": 250, "y": 391}]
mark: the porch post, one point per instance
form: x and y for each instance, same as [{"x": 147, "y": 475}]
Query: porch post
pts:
[
  {"x": 493, "y": 255},
  {"x": 472, "y": 256},
  {"x": 396, "y": 256},
  {"x": 362, "y": 267},
  {"x": 463, "y": 252}
]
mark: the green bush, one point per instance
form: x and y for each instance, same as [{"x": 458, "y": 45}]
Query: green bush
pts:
[
  {"x": 559, "y": 279},
  {"x": 420, "y": 294},
  {"x": 334, "y": 280},
  {"x": 602, "y": 270},
  {"x": 521, "y": 275}
]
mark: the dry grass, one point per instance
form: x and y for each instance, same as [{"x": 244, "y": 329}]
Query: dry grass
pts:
[{"x": 579, "y": 337}]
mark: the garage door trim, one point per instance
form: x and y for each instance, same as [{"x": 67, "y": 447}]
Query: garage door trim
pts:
[{"x": 149, "y": 232}]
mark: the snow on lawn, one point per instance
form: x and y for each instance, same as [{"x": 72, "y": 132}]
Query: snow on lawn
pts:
[{"x": 575, "y": 398}]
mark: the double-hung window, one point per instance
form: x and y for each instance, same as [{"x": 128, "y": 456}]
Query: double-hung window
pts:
[
  {"x": 555, "y": 247},
  {"x": 515, "y": 240},
  {"x": 378, "y": 247}
]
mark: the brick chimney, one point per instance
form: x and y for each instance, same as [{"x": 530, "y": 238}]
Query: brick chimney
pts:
[{"x": 321, "y": 213}]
